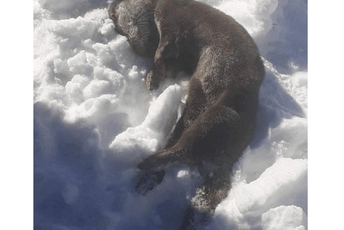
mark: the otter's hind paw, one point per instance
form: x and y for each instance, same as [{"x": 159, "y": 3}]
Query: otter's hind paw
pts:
[{"x": 149, "y": 180}]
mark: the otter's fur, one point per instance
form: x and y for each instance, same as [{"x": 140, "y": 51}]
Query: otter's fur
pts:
[{"x": 226, "y": 73}]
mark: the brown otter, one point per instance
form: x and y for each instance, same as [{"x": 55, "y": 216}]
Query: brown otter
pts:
[{"x": 226, "y": 74}]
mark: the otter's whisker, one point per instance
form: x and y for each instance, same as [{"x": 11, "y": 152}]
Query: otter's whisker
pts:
[
  {"x": 145, "y": 17},
  {"x": 145, "y": 20}
]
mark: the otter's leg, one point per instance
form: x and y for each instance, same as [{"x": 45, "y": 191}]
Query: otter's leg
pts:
[
  {"x": 214, "y": 189},
  {"x": 218, "y": 128},
  {"x": 195, "y": 106},
  {"x": 166, "y": 64}
]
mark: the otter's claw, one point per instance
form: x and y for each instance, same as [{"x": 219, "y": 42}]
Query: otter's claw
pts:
[{"x": 152, "y": 81}]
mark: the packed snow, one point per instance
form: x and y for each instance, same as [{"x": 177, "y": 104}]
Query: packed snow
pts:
[{"x": 94, "y": 121}]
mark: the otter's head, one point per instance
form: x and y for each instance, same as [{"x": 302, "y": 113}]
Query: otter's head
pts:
[{"x": 135, "y": 20}]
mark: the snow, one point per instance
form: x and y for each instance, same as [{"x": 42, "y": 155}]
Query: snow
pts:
[{"x": 94, "y": 121}]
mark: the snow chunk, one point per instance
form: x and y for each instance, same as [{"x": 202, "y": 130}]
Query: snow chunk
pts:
[
  {"x": 254, "y": 15},
  {"x": 284, "y": 183},
  {"x": 290, "y": 138},
  {"x": 104, "y": 53},
  {"x": 75, "y": 87},
  {"x": 162, "y": 115},
  {"x": 284, "y": 217},
  {"x": 60, "y": 5},
  {"x": 298, "y": 88},
  {"x": 78, "y": 64},
  {"x": 272, "y": 184},
  {"x": 75, "y": 27},
  {"x": 97, "y": 88},
  {"x": 94, "y": 109}
]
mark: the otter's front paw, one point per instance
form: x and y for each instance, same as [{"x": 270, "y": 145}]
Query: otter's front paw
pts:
[
  {"x": 152, "y": 81},
  {"x": 161, "y": 158},
  {"x": 148, "y": 181}
]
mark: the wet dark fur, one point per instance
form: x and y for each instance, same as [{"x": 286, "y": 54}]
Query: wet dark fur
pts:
[{"x": 221, "y": 109}]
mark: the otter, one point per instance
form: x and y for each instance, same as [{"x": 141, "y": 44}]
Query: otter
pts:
[{"x": 223, "y": 96}]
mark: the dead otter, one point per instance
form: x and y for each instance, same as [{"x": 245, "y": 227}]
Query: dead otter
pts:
[{"x": 226, "y": 74}]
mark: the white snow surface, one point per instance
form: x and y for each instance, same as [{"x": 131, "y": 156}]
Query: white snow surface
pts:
[{"x": 94, "y": 121}]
